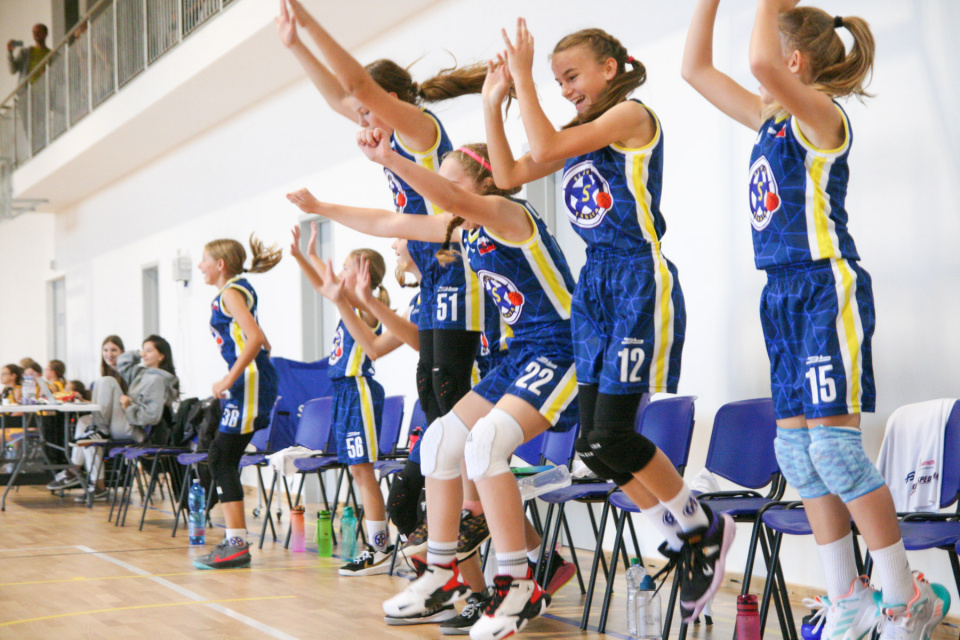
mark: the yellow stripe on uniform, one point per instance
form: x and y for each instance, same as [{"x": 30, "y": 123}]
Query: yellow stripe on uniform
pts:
[
  {"x": 821, "y": 230},
  {"x": 849, "y": 330},
  {"x": 549, "y": 276},
  {"x": 562, "y": 396},
  {"x": 472, "y": 296},
  {"x": 369, "y": 418},
  {"x": 251, "y": 379}
]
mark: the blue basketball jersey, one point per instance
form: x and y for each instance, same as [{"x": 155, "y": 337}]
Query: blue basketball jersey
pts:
[
  {"x": 347, "y": 358},
  {"x": 224, "y": 327},
  {"x": 530, "y": 281},
  {"x": 413, "y": 309},
  {"x": 797, "y": 195},
  {"x": 612, "y": 195}
]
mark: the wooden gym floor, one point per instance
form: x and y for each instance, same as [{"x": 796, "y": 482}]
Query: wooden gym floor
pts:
[{"x": 65, "y": 572}]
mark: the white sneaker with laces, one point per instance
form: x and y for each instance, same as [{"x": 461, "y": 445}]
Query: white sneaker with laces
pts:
[
  {"x": 436, "y": 587},
  {"x": 920, "y": 616},
  {"x": 369, "y": 563},
  {"x": 514, "y": 603},
  {"x": 851, "y": 616}
]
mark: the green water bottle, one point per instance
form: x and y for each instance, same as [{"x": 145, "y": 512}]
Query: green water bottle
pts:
[{"x": 324, "y": 534}]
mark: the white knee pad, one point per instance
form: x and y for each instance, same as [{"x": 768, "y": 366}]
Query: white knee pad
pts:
[
  {"x": 491, "y": 443},
  {"x": 442, "y": 447}
]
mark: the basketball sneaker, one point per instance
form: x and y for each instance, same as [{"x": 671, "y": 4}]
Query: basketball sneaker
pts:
[
  {"x": 437, "y": 586},
  {"x": 849, "y": 617},
  {"x": 232, "y": 553},
  {"x": 370, "y": 562},
  {"x": 701, "y": 563},
  {"x": 514, "y": 603},
  {"x": 461, "y": 625},
  {"x": 917, "y": 619}
]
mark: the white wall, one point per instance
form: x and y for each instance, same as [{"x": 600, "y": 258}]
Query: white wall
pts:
[
  {"x": 26, "y": 252},
  {"x": 903, "y": 191}
]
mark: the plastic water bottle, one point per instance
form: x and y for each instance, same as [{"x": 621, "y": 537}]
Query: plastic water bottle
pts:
[
  {"x": 649, "y": 625},
  {"x": 635, "y": 575},
  {"x": 810, "y": 628},
  {"x": 544, "y": 482},
  {"x": 197, "y": 520},
  {"x": 748, "y": 618},
  {"x": 324, "y": 534},
  {"x": 297, "y": 532},
  {"x": 29, "y": 391},
  {"x": 348, "y": 535}
]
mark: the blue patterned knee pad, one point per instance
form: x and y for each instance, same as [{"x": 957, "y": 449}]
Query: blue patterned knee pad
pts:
[
  {"x": 838, "y": 455},
  {"x": 793, "y": 456}
]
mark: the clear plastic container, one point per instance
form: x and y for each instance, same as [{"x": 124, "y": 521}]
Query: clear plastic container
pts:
[
  {"x": 348, "y": 535},
  {"x": 649, "y": 623},
  {"x": 297, "y": 532},
  {"x": 544, "y": 482},
  {"x": 197, "y": 520},
  {"x": 635, "y": 575}
]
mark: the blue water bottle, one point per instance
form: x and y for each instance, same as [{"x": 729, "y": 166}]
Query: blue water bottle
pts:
[
  {"x": 197, "y": 520},
  {"x": 348, "y": 535}
]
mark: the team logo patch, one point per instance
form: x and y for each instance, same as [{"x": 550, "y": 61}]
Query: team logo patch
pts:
[
  {"x": 505, "y": 295},
  {"x": 764, "y": 194},
  {"x": 484, "y": 345},
  {"x": 586, "y": 194},
  {"x": 485, "y": 246},
  {"x": 396, "y": 188},
  {"x": 217, "y": 337},
  {"x": 336, "y": 352}
]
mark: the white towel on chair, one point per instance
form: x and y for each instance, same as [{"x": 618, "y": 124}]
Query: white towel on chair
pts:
[
  {"x": 282, "y": 461},
  {"x": 911, "y": 456}
]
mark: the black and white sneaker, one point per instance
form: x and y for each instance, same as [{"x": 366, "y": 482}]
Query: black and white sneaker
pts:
[
  {"x": 514, "y": 603},
  {"x": 66, "y": 479},
  {"x": 461, "y": 625},
  {"x": 702, "y": 561},
  {"x": 91, "y": 437},
  {"x": 441, "y": 613},
  {"x": 371, "y": 562},
  {"x": 93, "y": 495}
]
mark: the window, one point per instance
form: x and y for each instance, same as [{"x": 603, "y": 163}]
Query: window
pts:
[
  {"x": 319, "y": 314},
  {"x": 57, "y": 330},
  {"x": 151, "y": 301}
]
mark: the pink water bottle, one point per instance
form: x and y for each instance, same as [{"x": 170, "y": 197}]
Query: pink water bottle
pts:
[
  {"x": 748, "y": 618},
  {"x": 297, "y": 533}
]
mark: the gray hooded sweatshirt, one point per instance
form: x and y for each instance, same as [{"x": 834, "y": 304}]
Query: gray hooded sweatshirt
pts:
[{"x": 149, "y": 390}]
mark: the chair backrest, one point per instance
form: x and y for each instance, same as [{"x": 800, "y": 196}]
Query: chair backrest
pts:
[
  {"x": 741, "y": 444},
  {"x": 417, "y": 419},
  {"x": 298, "y": 382},
  {"x": 390, "y": 424},
  {"x": 314, "y": 428},
  {"x": 558, "y": 447},
  {"x": 668, "y": 423},
  {"x": 950, "y": 480},
  {"x": 530, "y": 451}
]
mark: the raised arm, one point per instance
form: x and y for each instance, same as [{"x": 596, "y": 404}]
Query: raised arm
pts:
[
  {"x": 501, "y": 215},
  {"x": 416, "y": 128},
  {"x": 399, "y": 328},
  {"x": 321, "y": 77},
  {"x": 819, "y": 118},
  {"x": 718, "y": 88},
  {"x": 508, "y": 172},
  {"x": 374, "y": 222},
  {"x": 309, "y": 270}
]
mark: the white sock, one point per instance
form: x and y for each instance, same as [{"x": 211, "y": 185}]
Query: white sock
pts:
[
  {"x": 664, "y": 522},
  {"x": 893, "y": 571},
  {"x": 441, "y": 553},
  {"x": 839, "y": 566},
  {"x": 533, "y": 555},
  {"x": 377, "y": 534},
  {"x": 686, "y": 510},
  {"x": 512, "y": 563},
  {"x": 236, "y": 533}
]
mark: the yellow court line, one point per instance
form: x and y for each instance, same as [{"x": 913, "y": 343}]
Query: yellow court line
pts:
[
  {"x": 220, "y": 572},
  {"x": 142, "y": 606}
]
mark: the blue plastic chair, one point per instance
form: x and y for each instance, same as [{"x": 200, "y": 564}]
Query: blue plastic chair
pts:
[
  {"x": 668, "y": 423},
  {"x": 390, "y": 458}
]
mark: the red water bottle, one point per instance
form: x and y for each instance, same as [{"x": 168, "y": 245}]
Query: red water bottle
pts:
[{"x": 748, "y": 618}]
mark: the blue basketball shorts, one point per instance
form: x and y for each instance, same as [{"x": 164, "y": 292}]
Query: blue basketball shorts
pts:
[
  {"x": 540, "y": 372},
  {"x": 818, "y": 320},
  {"x": 357, "y": 413},
  {"x": 251, "y": 399},
  {"x": 628, "y": 320}
]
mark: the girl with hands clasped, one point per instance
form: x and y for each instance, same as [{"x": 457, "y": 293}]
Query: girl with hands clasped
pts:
[
  {"x": 357, "y": 397},
  {"x": 628, "y": 313},
  {"x": 533, "y": 388},
  {"x": 820, "y": 359},
  {"x": 251, "y": 382}
]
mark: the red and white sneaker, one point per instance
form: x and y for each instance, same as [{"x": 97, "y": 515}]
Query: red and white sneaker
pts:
[
  {"x": 437, "y": 586},
  {"x": 917, "y": 619},
  {"x": 515, "y": 602}
]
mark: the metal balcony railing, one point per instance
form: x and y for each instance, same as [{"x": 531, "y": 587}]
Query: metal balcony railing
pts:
[{"x": 114, "y": 42}]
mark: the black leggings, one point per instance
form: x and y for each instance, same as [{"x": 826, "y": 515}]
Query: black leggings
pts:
[
  {"x": 224, "y": 462},
  {"x": 608, "y": 442}
]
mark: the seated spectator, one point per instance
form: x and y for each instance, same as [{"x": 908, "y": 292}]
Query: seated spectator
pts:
[
  {"x": 54, "y": 374},
  {"x": 11, "y": 380},
  {"x": 79, "y": 391},
  {"x": 152, "y": 385},
  {"x": 32, "y": 371}
]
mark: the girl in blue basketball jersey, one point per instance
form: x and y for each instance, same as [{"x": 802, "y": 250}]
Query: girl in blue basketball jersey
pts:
[
  {"x": 817, "y": 307},
  {"x": 384, "y": 95},
  {"x": 532, "y": 390},
  {"x": 628, "y": 313},
  {"x": 251, "y": 383}
]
